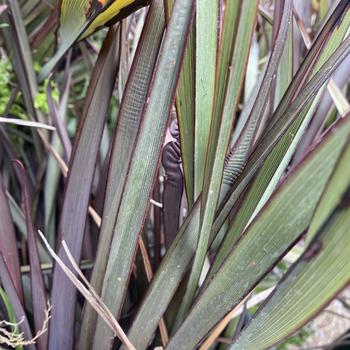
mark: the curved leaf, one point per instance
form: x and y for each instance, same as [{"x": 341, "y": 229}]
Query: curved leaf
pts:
[{"x": 80, "y": 18}]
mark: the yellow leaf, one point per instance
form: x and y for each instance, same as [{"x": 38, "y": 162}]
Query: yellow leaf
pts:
[{"x": 107, "y": 14}]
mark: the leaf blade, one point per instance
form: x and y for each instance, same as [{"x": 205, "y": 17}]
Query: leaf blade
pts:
[
  {"x": 73, "y": 217},
  {"x": 143, "y": 165},
  {"x": 320, "y": 273},
  {"x": 129, "y": 120},
  {"x": 206, "y": 51},
  {"x": 277, "y": 227},
  {"x": 8, "y": 247},
  {"x": 218, "y": 142}
]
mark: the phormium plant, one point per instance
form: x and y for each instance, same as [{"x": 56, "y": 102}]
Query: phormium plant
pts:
[{"x": 174, "y": 173}]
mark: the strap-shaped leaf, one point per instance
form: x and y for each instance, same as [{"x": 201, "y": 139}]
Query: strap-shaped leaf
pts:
[
  {"x": 73, "y": 217},
  {"x": 279, "y": 225},
  {"x": 270, "y": 166},
  {"x": 306, "y": 70},
  {"x": 332, "y": 194},
  {"x": 143, "y": 166},
  {"x": 156, "y": 300},
  {"x": 271, "y": 137},
  {"x": 185, "y": 104},
  {"x": 206, "y": 49},
  {"x": 129, "y": 119},
  {"x": 333, "y": 40},
  {"x": 242, "y": 148},
  {"x": 165, "y": 281},
  {"x": 8, "y": 248},
  {"x": 221, "y": 126},
  {"x": 320, "y": 273}
]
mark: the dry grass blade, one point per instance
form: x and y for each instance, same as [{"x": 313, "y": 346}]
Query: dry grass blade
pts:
[
  {"x": 88, "y": 292},
  {"x": 47, "y": 267},
  {"x": 2, "y": 8},
  {"x": 15, "y": 339},
  {"x": 338, "y": 97},
  {"x": 28, "y": 123},
  {"x": 16, "y": 303},
  {"x": 255, "y": 300}
]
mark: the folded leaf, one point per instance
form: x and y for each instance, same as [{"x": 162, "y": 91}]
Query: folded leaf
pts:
[{"x": 80, "y": 18}]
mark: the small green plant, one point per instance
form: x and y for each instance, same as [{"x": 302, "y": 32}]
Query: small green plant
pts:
[
  {"x": 6, "y": 79},
  {"x": 40, "y": 100}
]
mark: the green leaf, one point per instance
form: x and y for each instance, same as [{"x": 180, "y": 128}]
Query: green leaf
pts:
[
  {"x": 185, "y": 107},
  {"x": 164, "y": 283},
  {"x": 278, "y": 128},
  {"x": 143, "y": 166},
  {"x": 332, "y": 195},
  {"x": 328, "y": 34},
  {"x": 206, "y": 49},
  {"x": 230, "y": 24},
  {"x": 129, "y": 119},
  {"x": 186, "y": 116},
  {"x": 265, "y": 183},
  {"x": 185, "y": 113},
  {"x": 242, "y": 148},
  {"x": 317, "y": 277},
  {"x": 285, "y": 69},
  {"x": 173, "y": 266},
  {"x": 265, "y": 241},
  {"x": 220, "y": 132},
  {"x": 269, "y": 171}
]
